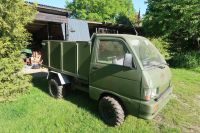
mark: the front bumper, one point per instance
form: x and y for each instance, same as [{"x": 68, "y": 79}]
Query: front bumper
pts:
[{"x": 149, "y": 109}]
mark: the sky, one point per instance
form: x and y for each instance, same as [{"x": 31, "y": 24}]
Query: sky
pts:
[{"x": 138, "y": 4}]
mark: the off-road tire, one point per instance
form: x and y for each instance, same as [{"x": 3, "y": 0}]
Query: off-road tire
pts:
[
  {"x": 111, "y": 111},
  {"x": 55, "y": 90}
]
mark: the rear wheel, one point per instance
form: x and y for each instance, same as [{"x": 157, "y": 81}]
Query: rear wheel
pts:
[
  {"x": 54, "y": 89},
  {"x": 111, "y": 111}
]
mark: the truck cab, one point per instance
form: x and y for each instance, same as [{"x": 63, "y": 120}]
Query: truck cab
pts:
[
  {"x": 132, "y": 69},
  {"x": 126, "y": 74}
]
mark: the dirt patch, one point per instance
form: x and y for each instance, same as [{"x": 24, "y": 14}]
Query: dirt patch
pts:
[{"x": 190, "y": 128}]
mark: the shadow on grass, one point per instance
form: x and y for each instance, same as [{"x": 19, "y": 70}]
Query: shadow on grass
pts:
[{"x": 79, "y": 98}]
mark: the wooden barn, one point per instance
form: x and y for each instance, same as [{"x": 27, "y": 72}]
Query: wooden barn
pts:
[{"x": 52, "y": 23}]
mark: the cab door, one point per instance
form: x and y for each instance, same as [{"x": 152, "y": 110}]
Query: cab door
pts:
[{"x": 107, "y": 72}]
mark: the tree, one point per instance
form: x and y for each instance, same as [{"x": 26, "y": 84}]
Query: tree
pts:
[
  {"x": 115, "y": 11},
  {"x": 176, "y": 20},
  {"x": 14, "y": 16}
]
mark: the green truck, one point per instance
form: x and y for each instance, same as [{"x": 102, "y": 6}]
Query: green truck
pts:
[{"x": 126, "y": 74}]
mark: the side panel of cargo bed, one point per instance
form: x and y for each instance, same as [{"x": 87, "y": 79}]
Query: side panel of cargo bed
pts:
[
  {"x": 84, "y": 56},
  {"x": 70, "y": 58},
  {"x": 55, "y": 54}
]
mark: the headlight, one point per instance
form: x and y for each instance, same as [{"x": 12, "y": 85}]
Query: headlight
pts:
[
  {"x": 150, "y": 93},
  {"x": 147, "y": 94}
]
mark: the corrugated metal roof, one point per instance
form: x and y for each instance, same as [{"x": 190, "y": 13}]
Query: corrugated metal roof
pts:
[{"x": 51, "y": 9}]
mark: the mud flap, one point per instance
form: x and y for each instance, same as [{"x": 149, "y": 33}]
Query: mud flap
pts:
[{"x": 63, "y": 79}]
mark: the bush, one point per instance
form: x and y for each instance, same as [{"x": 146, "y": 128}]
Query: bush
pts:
[
  {"x": 14, "y": 16},
  {"x": 162, "y": 45},
  {"x": 186, "y": 60}
]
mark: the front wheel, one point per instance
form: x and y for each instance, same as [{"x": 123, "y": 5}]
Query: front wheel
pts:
[
  {"x": 111, "y": 111},
  {"x": 54, "y": 89}
]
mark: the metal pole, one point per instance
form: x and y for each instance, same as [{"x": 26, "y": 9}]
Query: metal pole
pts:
[{"x": 48, "y": 31}]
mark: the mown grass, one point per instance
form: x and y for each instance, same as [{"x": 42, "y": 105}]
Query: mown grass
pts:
[{"x": 38, "y": 112}]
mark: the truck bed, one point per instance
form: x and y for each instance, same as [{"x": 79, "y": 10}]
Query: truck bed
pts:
[{"x": 70, "y": 58}]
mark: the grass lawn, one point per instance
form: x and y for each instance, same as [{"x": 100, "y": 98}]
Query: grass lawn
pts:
[{"x": 36, "y": 111}]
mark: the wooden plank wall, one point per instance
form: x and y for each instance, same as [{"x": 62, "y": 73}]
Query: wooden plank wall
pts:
[{"x": 50, "y": 18}]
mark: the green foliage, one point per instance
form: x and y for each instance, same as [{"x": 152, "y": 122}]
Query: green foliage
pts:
[
  {"x": 115, "y": 11},
  {"x": 14, "y": 15},
  {"x": 186, "y": 60},
  {"x": 162, "y": 46},
  {"x": 177, "y": 20}
]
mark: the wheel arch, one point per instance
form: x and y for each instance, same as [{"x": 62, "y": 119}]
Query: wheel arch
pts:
[{"x": 62, "y": 79}]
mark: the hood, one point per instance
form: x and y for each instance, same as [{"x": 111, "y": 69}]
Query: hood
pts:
[{"x": 155, "y": 81}]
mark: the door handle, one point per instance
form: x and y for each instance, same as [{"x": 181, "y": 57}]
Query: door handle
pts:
[{"x": 95, "y": 67}]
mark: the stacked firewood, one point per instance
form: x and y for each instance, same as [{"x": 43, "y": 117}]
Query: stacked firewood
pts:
[{"x": 36, "y": 58}]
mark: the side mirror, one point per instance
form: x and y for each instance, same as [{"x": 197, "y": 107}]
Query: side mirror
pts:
[{"x": 128, "y": 60}]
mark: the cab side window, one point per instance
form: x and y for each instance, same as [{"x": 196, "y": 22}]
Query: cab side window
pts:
[{"x": 111, "y": 52}]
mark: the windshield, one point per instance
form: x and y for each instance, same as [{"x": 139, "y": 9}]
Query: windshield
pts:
[{"x": 147, "y": 53}]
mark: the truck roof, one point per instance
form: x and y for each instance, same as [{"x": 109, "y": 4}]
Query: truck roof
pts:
[{"x": 126, "y": 36}]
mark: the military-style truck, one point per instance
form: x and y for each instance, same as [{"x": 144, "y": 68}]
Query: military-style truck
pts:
[{"x": 126, "y": 74}]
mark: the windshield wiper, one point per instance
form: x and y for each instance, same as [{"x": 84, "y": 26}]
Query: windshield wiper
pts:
[
  {"x": 164, "y": 64},
  {"x": 159, "y": 66},
  {"x": 153, "y": 65}
]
